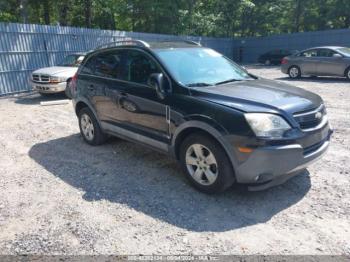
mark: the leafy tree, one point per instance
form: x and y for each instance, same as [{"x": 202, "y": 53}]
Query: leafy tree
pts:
[{"x": 219, "y": 18}]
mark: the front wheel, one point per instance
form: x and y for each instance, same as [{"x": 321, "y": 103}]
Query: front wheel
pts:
[
  {"x": 347, "y": 73},
  {"x": 206, "y": 164},
  {"x": 89, "y": 128},
  {"x": 294, "y": 72}
]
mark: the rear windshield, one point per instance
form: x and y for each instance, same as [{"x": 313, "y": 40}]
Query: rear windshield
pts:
[{"x": 344, "y": 51}]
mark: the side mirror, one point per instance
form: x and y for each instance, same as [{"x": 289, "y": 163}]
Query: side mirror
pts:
[
  {"x": 337, "y": 56},
  {"x": 160, "y": 84}
]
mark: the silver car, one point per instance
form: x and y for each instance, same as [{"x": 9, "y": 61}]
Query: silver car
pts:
[
  {"x": 56, "y": 79},
  {"x": 318, "y": 61}
]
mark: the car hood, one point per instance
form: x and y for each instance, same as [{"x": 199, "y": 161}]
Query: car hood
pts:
[
  {"x": 260, "y": 95},
  {"x": 61, "y": 71}
]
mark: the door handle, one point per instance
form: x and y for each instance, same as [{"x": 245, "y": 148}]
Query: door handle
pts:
[{"x": 91, "y": 87}]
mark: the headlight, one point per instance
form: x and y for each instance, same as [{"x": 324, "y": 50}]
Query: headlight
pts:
[
  {"x": 267, "y": 125},
  {"x": 56, "y": 79}
]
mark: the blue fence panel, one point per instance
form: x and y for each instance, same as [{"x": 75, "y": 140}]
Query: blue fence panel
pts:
[{"x": 26, "y": 47}]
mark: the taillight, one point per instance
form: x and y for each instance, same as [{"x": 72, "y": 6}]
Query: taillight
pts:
[
  {"x": 73, "y": 84},
  {"x": 284, "y": 61}
]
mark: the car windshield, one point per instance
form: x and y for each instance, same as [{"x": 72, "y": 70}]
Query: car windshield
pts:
[
  {"x": 344, "y": 51},
  {"x": 72, "y": 60},
  {"x": 200, "y": 66}
]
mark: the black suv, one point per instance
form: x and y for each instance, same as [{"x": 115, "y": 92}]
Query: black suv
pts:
[{"x": 223, "y": 124}]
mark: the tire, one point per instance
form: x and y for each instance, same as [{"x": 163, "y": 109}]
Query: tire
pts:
[
  {"x": 89, "y": 128},
  {"x": 267, "y": 62},
  {"x": 67, "y": 91},
  {"x": 196, "y": 168},
  {"x": 294, "y": 72},
  {"x": 347, "y": 73}
]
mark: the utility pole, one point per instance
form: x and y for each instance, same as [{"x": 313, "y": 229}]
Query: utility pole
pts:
[
  {"x": 87, "y": 4},
  {"x": 23, "y": 7},
  {"x": 297, "y": 15}
]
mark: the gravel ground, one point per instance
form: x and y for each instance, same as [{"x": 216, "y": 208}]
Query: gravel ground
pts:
[{"x": 60, "y": 196}]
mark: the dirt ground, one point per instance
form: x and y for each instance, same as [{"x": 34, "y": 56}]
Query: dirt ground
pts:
[{"x": 60, "y": 196}]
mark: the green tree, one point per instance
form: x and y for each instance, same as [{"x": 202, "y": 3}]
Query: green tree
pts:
[{"x": 219, "y": 18}]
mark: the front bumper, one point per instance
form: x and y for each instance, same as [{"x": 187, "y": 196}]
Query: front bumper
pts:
[
  {"x": 272, "y": 165},
  {"x": 49, "y": 88}
]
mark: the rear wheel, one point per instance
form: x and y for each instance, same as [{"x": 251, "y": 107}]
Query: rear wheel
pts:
[
  {"x": 89, "y": 128},
  {"x": 206, "y": 164},
  {"x": 294, "y": 72},
  {"x": 67, "y": 91}
]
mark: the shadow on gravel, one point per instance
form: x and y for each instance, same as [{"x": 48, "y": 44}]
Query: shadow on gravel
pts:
[
  {"x": 35, "y": 98},
  {"x": 152, "y": 183},
  {"x": 316, "y": 79}
]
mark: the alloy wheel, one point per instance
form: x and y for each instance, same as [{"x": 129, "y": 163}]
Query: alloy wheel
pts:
[
  {"x": 294, "y": 72},
  {"x": 87, "y": 127},
  {"x": 201, "y": 164}
]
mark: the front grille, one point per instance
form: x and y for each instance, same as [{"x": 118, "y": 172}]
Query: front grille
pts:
[
  {"x": 41, "y": 78},
  {"x": 36, "y": 78},
  {"x": 310, "y": 119},
  {"x": 44, "y": 78}
]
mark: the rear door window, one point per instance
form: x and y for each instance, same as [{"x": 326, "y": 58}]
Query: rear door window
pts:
[
  {"x": 309, "y": 53},
  {"x": 107, "y": 64}
]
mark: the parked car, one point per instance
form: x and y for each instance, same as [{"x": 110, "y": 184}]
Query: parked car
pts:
[
  {"x": 55, "y": 79},
  {"x": 223, "y": 124},
  {"x": 274, "y": 57},
  {"x": 318, "y": 61}
]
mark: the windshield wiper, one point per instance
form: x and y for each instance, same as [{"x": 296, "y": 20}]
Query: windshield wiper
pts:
[
  {"x": 198, "y": 84},
  {"x": 227, "y": 81}
]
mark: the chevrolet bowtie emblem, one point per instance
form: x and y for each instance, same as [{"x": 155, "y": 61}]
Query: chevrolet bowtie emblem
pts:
[{"x": 318, "y": 115}]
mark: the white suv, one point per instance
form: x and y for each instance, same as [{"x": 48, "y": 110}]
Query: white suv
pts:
[{"x": 56, "y": 79}]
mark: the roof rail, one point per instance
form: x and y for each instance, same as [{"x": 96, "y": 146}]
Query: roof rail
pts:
[
  {"x": 192, "y": 42},
  {"x": 124, "y": 42}
]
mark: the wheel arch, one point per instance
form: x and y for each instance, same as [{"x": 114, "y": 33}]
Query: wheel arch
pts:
[
  {"x": 84, "y": 103},
  {"x": 198, "y": 126},
  {"x": 79, "y": 106},
  {"x": 346, "y": 70},
  {"x": 294, "y": 65}
]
